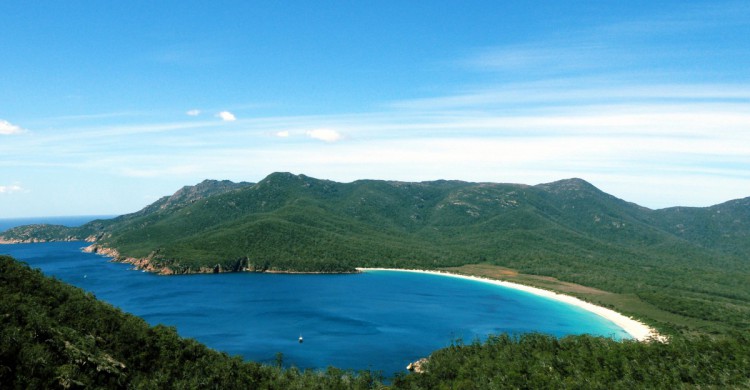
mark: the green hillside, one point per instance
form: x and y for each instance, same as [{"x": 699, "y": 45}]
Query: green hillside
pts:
[
  {"x": 724, "y": 227},
  {"x": 97, "y": 229},
  {"x": 679, "y": 268}
]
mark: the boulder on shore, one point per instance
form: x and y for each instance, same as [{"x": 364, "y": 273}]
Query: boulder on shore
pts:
[{"x": 417, "y": 366}]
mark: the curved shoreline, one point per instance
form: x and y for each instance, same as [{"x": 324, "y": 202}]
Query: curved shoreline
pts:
[{"x": 636, "y": 329}]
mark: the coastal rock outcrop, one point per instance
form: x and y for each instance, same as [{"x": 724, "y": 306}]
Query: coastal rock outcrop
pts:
[
  {"x": 418, "y": 366},
  {"x": 138, "y": 263},
  {"x": 33, "y": 240},
  {"x": 147, "y": 263}
]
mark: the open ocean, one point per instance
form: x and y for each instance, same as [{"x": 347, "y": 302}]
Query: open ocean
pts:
[
  {"x": 379, "y": 320},
  {"x": 7, "y": 223}
]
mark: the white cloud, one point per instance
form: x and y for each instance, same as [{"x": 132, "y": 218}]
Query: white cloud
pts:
[
  {"x": 7, "y": 128},
  {"x": 10, "y": 189},
  {"x": 193, "y": 112},
  {"x": 283, "y": 134},
  {"x": 327, "y": 135},
  {"x": 226, "y": 116}
]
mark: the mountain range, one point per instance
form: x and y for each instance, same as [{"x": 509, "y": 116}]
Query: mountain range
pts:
[{"x": 680, "y": 259}]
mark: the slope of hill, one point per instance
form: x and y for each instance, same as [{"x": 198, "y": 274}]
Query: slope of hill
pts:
[
  {"x": 724, "y": 227},
  {"x": 691, "y": 262},
  {"x": 96, "y": 229}
]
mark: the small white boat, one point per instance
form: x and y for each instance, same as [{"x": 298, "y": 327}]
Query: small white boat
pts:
[{"x": 301, "y": 340}]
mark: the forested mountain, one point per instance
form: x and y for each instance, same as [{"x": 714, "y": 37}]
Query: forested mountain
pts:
[
  {"x": 725, "y": 227},
  {"x": 691, "y": 262}
]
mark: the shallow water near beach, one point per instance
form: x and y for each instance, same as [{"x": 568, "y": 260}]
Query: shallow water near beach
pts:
[{"x": 379, "y": 320}]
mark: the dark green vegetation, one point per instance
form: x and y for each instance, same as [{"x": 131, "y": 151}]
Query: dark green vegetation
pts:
[
  {"x": 682, "y": 269},
  {"x": 536, "y": 361},
  {"x": 53, "y": 335}
]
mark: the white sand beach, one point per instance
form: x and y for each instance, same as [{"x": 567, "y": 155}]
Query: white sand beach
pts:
[{"x": 636, "y": 329}]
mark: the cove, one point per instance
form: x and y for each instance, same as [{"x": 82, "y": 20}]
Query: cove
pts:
[{"x": 379, "y": 320}]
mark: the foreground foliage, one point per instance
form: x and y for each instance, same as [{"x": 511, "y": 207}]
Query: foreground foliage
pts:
[{"x": 537, "y": 361}]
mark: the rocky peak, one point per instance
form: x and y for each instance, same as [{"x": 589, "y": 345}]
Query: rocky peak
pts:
[{"x": 206, "y": 188}]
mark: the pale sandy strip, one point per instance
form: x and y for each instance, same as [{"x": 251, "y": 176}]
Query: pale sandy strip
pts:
[{"x": 635, "y": 329}]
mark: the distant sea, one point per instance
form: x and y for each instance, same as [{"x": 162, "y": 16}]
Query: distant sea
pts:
[
  {"x": 379, "y": 320},
  {"x": 7, "y": 223}
]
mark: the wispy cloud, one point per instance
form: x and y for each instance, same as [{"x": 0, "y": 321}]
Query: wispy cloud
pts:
[
  {"x": 646, "y": 48},
  {"x": 193, "y": 112},
  {"x": 608, "y": 144},
  {"x": 550, "y": 92},
  {"x": 226, "y": 116},
  {"x": 546, "y": 57},
  {"x": 7, "y": 128},
  {"x": 692, "y": 16}
]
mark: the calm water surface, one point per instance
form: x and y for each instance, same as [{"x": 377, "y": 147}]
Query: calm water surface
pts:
[
  {"x": 7, "y": 223},
  {"x": 379, "y": 320}
]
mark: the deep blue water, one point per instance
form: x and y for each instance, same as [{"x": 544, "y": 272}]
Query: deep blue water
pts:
[{"x": 379, "y": 320}]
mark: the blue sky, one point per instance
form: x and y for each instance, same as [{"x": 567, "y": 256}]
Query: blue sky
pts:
[{"x": 106, "y": 106}]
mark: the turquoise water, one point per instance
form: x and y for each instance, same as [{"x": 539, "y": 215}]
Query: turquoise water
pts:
[{"x": 379, "y": 320}]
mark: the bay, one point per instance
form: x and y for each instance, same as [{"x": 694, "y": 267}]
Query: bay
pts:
[{"x": 379, "y": 320}]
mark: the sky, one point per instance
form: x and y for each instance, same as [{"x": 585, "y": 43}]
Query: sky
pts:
[{"x": 107, "y": 106}]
